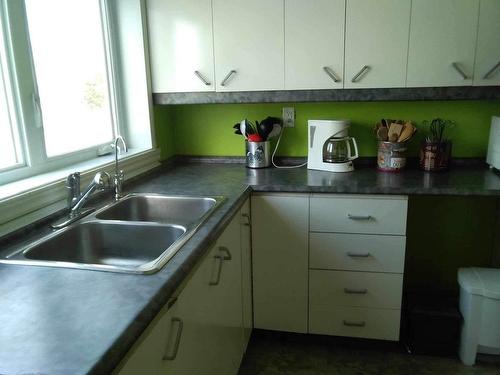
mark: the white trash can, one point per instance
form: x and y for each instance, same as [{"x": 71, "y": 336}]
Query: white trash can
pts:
[{"x": 480, "y": 308}]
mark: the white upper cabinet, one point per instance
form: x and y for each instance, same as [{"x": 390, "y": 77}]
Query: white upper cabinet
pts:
[
  {"x": 249, "y": 44},
  {"x": 376, "y": 50},
  {"x": 487, "y": 68},
  {"x": 314, "y": 44},
  {"x": 442, "y": 42},
  {"x": 181, "y": 45}
]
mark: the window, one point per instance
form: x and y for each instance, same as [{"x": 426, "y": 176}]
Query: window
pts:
[
  {"x": 70, "y": 64},
  {"x": 62, "y": 89},
  {"x": 73, "y": 75}
]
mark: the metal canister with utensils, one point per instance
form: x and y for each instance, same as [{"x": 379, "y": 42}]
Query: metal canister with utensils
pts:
[{"x": 258, "y": 154}]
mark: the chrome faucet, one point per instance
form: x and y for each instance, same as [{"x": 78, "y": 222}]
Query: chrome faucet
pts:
[
  {"x": 76, "y": 200},
  {"x": 119, "y": 175},
  {"x": 101, "y": 181}
]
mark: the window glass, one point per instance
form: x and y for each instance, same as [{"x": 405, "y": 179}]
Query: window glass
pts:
[
  {"x": 10, "y": 150},
  {"x": 70, "y": 66}
]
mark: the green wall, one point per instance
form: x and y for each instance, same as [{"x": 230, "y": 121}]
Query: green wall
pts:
[{"x": 206, "y": 129}]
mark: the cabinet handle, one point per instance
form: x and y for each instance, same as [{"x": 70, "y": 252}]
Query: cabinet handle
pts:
[
  {"x": 246, "y": 216},
  {"x": 459, "y": 70},
  {"x": 203, "y": 79},
  {"x": 220, "y": 259},
  {"x": 491, "y": 71},
  {"x": 354, "y": 324},
  {"x": 358, "y": 255},
  {"x": 171, "y": 357},
  {"x": 224, "y": 249},
  {"x": 359, "y": 217},
  {"x": 363, "y": 70},
  {"x": 355, "y": 291},
  {"x": 228, "y": 77},
  {"x": 331, "y": 73}
]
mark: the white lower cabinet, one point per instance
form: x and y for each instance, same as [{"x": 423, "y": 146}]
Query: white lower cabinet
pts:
[
  {"x": 356, "y": 276},
  {"x": 280, "y": 225},
  {"x": 203, "y": 331},
  {"x": 329, "y": 264}
]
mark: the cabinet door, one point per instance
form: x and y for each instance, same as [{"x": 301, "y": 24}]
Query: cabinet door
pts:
[
  {"x": 487, "y": 68},
  {"x": 181, "y": 45},
  {"x": 249, "y": 44},
  {"x": 156, "y": 344},
  {"x": 376, "y": 50},
  {"x": 442, "y": 33},
  {"x": 211, "y": 314},
  {"x": 314, "y": 44},
  {"x": 280, "y": 226},
  {"x": 246, "y": 273}
]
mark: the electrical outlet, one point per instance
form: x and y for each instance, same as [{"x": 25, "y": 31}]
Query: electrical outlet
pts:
[{"x": 288, "y": 117}]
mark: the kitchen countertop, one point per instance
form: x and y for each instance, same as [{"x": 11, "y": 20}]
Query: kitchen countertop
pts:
[{"x": 68, "y": 321}]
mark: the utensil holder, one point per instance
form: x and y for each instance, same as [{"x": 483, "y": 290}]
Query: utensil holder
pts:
[
  {"x": 391, "y": 156},
  {"x": 435, "y": 156},
  {"x": 258, "y": 154}
]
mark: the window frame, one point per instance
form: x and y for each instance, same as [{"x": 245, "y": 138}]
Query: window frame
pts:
[{"x": 27, "y": 110}]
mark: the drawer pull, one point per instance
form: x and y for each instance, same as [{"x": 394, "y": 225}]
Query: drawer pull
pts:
[
  {"x": 355, "y": 291},
  {"x": 354, "y": 324},
  {"x": 247, "y": 219},
  {"x": 225, "y": 250},
  {"x": 359, "y": 217},
  {"x": 358, "y": 255},
  {"x": 227, "y": 77},
  {"x": 219, "y": 259},
  {"x": 331, "y": 74},
  {"x": 491, "y": 71},
  {"x": 202, "y": 79},
  {"x": 171, "y": 357},
  {"x": 460, "y": 71},
  {"x": 363, "y": 70}
]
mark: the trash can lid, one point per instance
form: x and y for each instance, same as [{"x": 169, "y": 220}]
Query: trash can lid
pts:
[{"x": 480, "y": 281}]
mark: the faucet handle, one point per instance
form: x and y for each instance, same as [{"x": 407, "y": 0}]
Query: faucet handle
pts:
[
  {"x": 73, "y": 186},
  {"x": 102, "y": 180}
]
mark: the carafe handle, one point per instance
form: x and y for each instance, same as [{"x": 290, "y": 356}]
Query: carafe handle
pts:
[{"x": 355, "y": 156}]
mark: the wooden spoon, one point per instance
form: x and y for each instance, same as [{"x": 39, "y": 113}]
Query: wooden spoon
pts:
[
  {"x": 394, "y": 131},
  {"x": 382, "y": 133}
]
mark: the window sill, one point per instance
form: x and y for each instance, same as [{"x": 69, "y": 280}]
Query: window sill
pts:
[{"x": 31, "y": 199}]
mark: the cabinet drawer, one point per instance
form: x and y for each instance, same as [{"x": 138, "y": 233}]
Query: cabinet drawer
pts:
[
  {"x": 355, "y": 289},
  {"x": 357, "y": 252},
  {"x": 355, "y": 322},
  {"x": 354, "y": 214}
]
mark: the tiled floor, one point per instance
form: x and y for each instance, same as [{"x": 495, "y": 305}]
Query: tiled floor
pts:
[{"x": 276, "y": 353}]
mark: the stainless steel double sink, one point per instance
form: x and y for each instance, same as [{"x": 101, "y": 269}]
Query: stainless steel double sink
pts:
[{"x": 137, "y": 234}]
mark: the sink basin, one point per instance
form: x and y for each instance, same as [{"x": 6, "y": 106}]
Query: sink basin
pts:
[
  {"x": 128, "y": 245},
  {"x": 158, "y": 208},
  {"x": 137, "y": 234}
]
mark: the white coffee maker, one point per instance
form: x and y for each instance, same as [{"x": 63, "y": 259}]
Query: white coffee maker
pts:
[{"x": 330, "y": 146}]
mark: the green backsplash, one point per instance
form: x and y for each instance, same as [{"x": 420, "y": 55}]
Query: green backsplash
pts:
[{"x": 206, "y": 129}]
